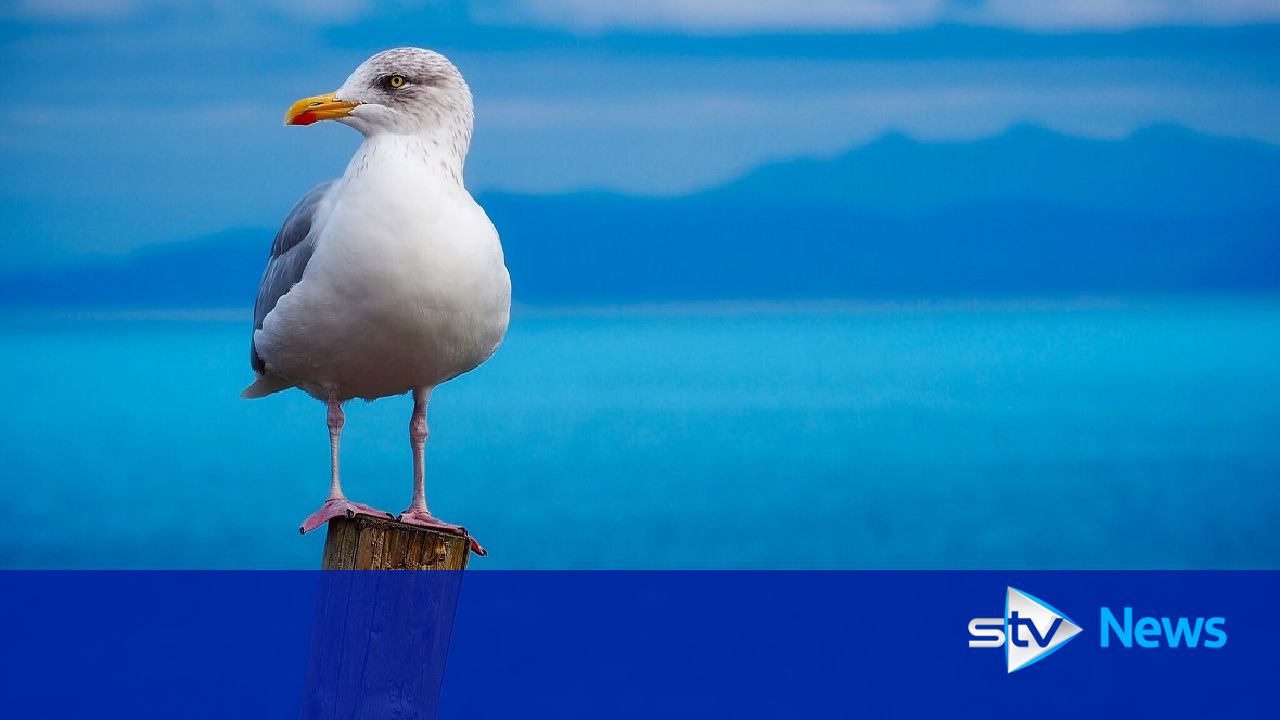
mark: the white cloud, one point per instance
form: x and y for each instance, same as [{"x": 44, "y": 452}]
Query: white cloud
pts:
[
  {"x": 1120, "y": 14},
  {"x": 324, "y": 11},
  {"x": 700, "y": 16},
  {"x": 730, "y": 15},
  {"x": 725, "y": 16},
  {"x": 72, "y": 117},
  {"x": 320, "y": 12},
  {"x": 72, "y": 10}
]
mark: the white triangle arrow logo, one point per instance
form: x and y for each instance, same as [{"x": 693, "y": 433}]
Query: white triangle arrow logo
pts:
[{"x": 1033, "y": 629}]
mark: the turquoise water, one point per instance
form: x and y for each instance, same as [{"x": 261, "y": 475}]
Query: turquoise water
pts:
[{"x": 1004, "y": 436}]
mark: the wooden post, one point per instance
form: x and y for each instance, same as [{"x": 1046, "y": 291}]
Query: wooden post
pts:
[
  {"x": 381, "y": 639},
  {"x": 372, "y": 543}
]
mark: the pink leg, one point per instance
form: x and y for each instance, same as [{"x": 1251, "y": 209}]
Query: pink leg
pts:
[
  {"x": 417, "y": 512},
  {"x": 337, "y": 505}
]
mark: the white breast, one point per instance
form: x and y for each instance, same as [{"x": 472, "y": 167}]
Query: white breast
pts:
[{"x": 407, "y": 286}]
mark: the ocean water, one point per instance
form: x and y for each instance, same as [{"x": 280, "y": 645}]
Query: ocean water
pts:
[{"x": 1017, "y": 435}]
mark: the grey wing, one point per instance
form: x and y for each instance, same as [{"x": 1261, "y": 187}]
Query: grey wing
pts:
[{"x": 290, "y": 253}]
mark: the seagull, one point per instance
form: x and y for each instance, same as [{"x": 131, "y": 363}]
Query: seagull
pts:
[{"x": 390, "y": 279}]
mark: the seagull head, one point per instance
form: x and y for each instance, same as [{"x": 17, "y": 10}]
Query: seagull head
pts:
[{"x": 405, "y": 91}]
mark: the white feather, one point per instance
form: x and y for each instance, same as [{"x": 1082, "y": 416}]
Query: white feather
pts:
[{"x": 407, "y": 287}]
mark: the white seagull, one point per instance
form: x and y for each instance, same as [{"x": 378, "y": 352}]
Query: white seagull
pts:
[{"x": 389, "y": 279}]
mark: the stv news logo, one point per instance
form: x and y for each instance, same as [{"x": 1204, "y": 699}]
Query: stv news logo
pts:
[{"x": 1030, "y": 630}]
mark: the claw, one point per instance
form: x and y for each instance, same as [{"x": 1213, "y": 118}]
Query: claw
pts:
[
  {"x": 335, "y": 507},
  {"x": 422, "y": 518}
]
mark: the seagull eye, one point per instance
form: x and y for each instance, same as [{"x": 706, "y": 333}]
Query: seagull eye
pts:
[{"x": 395, "y": 82}]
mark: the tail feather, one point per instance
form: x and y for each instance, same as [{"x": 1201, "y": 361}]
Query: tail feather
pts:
[{"x": 265, "y": 384}]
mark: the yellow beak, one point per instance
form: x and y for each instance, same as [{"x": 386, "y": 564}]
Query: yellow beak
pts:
[{"x": 317, "y": 108}]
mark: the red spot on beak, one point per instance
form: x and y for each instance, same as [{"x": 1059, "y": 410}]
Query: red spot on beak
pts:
[{"x": 306, "y": 118}]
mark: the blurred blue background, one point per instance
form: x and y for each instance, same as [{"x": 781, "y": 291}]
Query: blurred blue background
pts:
[{"x": 822, "y": 285}]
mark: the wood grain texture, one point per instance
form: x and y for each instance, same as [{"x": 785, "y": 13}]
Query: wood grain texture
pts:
[
  {"x": 380, "y": 645},
  {"x": 371, "y": 543}
]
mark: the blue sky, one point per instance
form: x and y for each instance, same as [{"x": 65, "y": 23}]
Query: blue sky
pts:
[{"x": 129, "y": 122}]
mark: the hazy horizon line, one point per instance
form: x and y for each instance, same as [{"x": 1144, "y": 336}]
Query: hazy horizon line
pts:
[{"x": 693, "y": 308}]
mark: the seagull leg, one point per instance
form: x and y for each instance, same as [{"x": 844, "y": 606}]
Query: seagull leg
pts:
[
  {"x": 417, "y": 512},
  {"x": 337, "y": 505}
]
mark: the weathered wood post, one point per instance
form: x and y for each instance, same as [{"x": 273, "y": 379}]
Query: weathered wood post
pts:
[
  {"x": 381, "y": 638},
  {"x": 372, "y": 543}
]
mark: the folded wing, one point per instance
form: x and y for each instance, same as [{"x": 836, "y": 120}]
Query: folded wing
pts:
[{"x": 290, "y": 253}]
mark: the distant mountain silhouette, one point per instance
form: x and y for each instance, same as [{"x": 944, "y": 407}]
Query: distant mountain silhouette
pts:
[
  {"x": 1161, "y": 169},
  {"x": 1029, "y": 212},
  {"x": 219, "y": 270}
]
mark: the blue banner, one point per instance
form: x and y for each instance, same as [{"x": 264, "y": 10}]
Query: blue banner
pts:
[{"x": 637, "y": 644}]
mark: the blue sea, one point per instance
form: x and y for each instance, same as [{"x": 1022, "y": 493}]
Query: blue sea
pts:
[{"x": 1084, "y": 434}]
